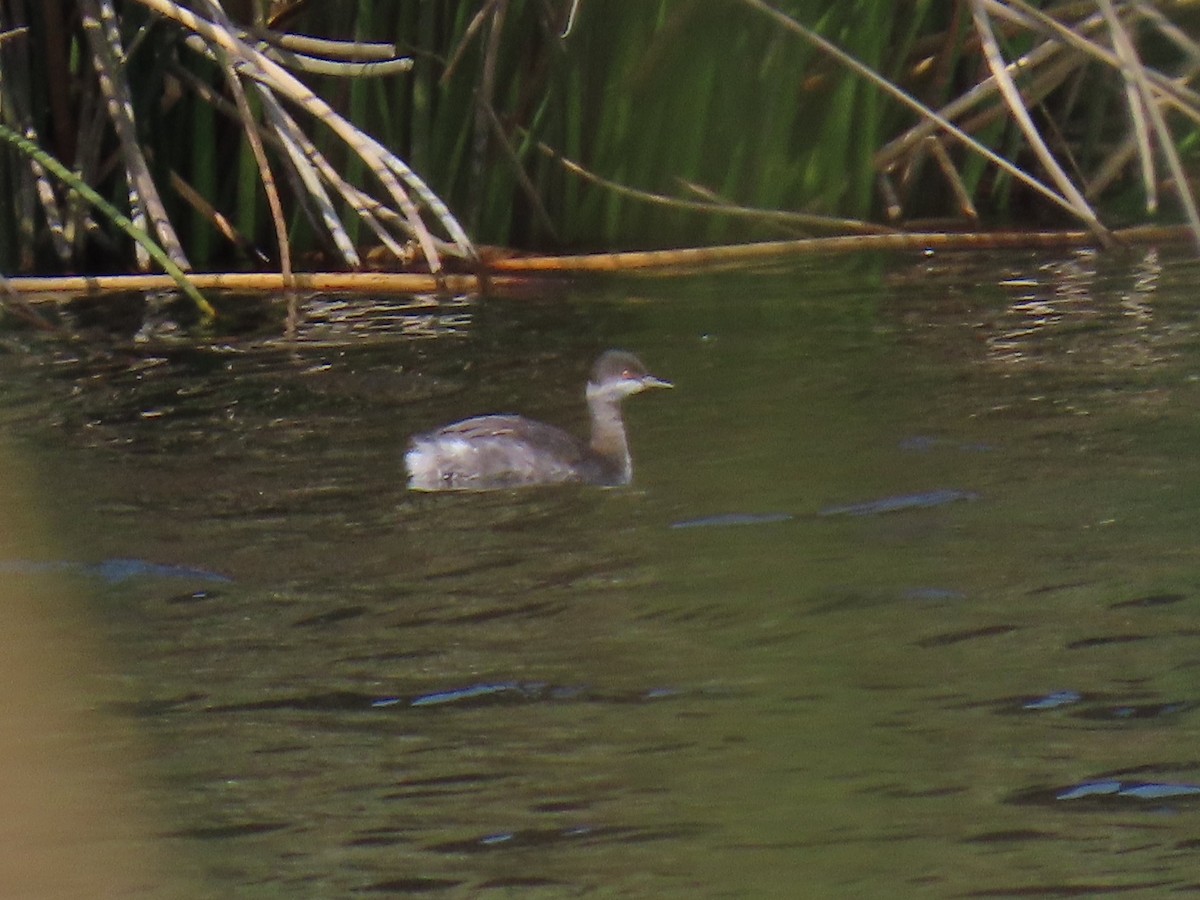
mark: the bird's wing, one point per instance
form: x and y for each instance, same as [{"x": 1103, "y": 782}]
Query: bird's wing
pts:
[{"x": 546, "y": 438}]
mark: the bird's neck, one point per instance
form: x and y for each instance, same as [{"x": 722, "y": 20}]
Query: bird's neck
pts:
[{"x": 608, "y": 434}]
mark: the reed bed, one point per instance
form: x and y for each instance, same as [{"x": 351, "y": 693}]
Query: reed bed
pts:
[{"x": 407, "y": 134}]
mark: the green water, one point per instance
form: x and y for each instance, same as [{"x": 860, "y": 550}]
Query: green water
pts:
[{"x": 556, "y": 692}]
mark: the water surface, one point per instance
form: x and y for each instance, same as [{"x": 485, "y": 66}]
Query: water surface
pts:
[{"x": 902, "y": 601}]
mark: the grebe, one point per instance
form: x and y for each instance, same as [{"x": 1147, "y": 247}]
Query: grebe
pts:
[{"x": 503, "y": 451}]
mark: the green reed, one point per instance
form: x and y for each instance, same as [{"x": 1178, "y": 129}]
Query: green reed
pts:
[{"x": 699, "y": 101}]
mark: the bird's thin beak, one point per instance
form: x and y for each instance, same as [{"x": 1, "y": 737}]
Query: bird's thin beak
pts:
[{"x": 651, "y": 381}]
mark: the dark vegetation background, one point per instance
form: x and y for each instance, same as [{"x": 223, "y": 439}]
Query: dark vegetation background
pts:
[{"x": 651, "y": 123}]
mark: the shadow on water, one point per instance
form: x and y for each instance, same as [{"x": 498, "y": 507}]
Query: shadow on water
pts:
[{"x": 902, "y": 600}]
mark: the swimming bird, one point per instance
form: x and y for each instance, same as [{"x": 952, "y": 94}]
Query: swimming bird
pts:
[{"x": 504, "y": 451}]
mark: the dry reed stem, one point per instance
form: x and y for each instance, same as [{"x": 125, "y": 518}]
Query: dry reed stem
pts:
[
  {"x": 516, "y": 272},
  {"x": 1016, "y": 107},
  {"x": 358, "y": 51},
  {"x": 527, "y": 186},
  {"x": 299, "y": 152},
  {"x": 1143, "y": 100},
  {"x": 984, "y": 90},
  {"x": 250, "y": 129},
  {"x": 1137, "y": 98},
  {"x": 218, "y": 220},
  {"x": 1174, "y": 92},
  {"x": 60, "y": 287},
  {"x": 938, "y": 151},
  {"x": 35, "y": 188},
  {"x": 386, "y": 166},
  {"x": 369, "y": 209},
  {"x": 469, "y": 33},
  {"x": 103, "y": 35},
  {"x": 908, "y": 100},
  {"x": 314, "y": 65},
  {"x": 770, "y": 216}
]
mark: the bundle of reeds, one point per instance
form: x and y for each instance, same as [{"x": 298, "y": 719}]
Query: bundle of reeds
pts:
[{"x": 231, "y": 137}]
